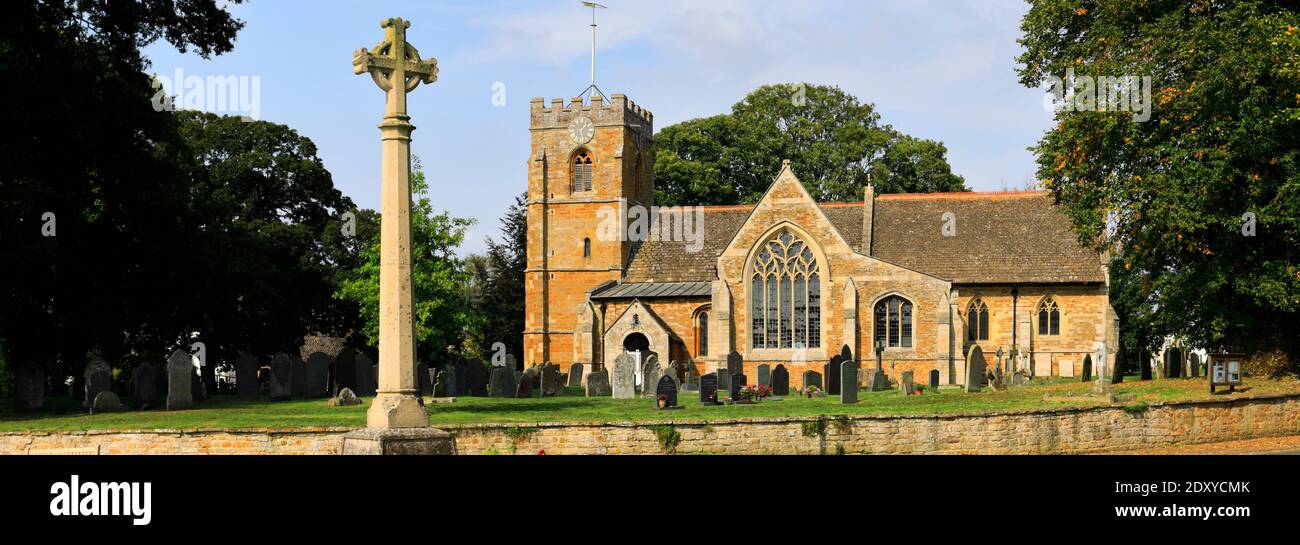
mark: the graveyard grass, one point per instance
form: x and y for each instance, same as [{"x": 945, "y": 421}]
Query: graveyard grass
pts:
[{"x": 231, "y": 412}]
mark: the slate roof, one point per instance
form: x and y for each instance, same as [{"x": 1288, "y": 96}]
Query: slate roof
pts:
[
  {"x": 649, "y": 290},
  {"x": 1015, "y": 237}
]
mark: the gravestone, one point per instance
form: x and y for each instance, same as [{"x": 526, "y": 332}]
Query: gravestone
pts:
[
  {"x": 575, "y": 375},
  {"x": 666, "y": 387},
  {"x": 365, "y": 373},
  {"x": 345, "y": 371},
  {"x": 246, "y": 376},
  {"x": 318, "y": 375},
  {"x": 29, "y": 387},
  {"x": 764, "y": 375},
  {"x": 623, "y": 377},
  {"x": 451, "y": 379},
  {"x": 502, "y": 383},
  {"x": 106, "y": 402},
  {"x": 780, "y": 381},
  {"x": 812, "y": 378},
  {"x": 440, "y": 384},
  {"x": 974, "y": 369},
  {"x": 1086, "y": 373},
  {"x": 180, "y": 377},
  {"x": 297, "y": 377},
  {"x": 598, "y": 383},
  {"x": 531, "y": 377},
  {"x": 281, "y": 377},
  {"x": 735, "y": 363},
  {"x": 934, "y": 379},
  {"x": 692, "y": 378},
  {"x": 905, "y": 383},
  {"x": 1065, "y": 368},
  {"x": 724, "y": 380},
  {"x": 650, "y": 374},
  {"x": 433, "y": 381},
  {"x": 737, "y": 384},
  {"x": 552, "y": 382},
  {"x": 833, "y": 374},
  {"x": 99, "y": 378},
  {"x": 876, "y": 380},
  {"x": 1194, "y": 364},
  {"x": 1144, "y": 360},
  {"x": 848, "y": 382},
  {"x": 475, "y": 376},
  {"x": 709, "y": 389},
  {"x": 423, "y": 382},
  {"x": 144, "y": 381},
  {"x": 345, "y": 398}
]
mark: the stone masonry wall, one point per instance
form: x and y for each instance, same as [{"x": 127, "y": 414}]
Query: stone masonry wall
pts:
[{"x": 1054, "y": 431}]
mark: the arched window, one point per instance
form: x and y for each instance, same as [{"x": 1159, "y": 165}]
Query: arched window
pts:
[
  {"x": 1049, "y": 317},
  {"x": 977, "y": 321},
  {"x": 702, "y": 334},
  {"x": 785, "y": 295},
  {"x": 894, "y": 322},
  {"x": 581, "y": 174},
  {"x": 586, "y": 247}
]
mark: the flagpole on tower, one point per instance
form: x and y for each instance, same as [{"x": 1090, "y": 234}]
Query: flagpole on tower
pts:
[{"x": 594, "y": 6}]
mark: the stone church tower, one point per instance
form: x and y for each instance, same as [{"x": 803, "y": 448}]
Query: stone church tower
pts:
[{"x": 588, "y": 161}]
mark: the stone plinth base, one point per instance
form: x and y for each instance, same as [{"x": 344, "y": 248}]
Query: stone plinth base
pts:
[{"x": 417, "y": 441}]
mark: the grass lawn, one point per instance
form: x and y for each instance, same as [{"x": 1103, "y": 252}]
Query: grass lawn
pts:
[{"x": 230, "y": 412}]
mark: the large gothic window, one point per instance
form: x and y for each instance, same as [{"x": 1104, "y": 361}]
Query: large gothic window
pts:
[
  {"x": 894, "y": 322},
  {"x": 581, "y": 173},
  {"x": 977, "y": 321},
  {"x": 1049, "y": 317},
  {"x": 785, "y": 295}
]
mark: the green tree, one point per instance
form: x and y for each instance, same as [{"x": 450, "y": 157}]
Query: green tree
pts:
[
  {"x": 1176, "y": 197},
  {"x": 833, "y": 140},
  {"x": 442, "y": 312},
  {"x": 498, "y": 293}
]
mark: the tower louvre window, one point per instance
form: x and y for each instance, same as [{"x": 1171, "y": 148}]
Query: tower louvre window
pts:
[{"x": 581, "y": 174}]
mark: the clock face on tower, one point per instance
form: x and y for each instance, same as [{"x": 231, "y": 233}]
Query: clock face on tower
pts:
[{"x": 581, "y": 130}]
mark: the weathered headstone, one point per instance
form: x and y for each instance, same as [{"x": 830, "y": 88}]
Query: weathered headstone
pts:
[
  {"x": 433, "y": 373},
  {"x": 532, "y": 377},
  {"x": 709, "y": 389},
  {"x": 764, "y": 372},
  {"x": 848, "y": 382},
  {"x": 1065, "y": 368},
  {"x": 735, "y": 363},
  {"x": 552, "y": 384},
  {"x": 246, "y": 376},
  {"x": 1144, "y": 361},
  {"x": 737, "y": 384},
  {"x": 422, "y": 379},
  {"x": 598, "y": 383},
  {"x": 453, "y": 382},
  {"x": 29, "y": 386},
  {"x": 934, "y": 379},
  {"x": 281, "y": 377},
  {"x": 623, "y": 377},
  {"x": 106, "y": 402},
  {"x": 906, "y": 386},
  {"x": 318, "y": 375},
  {"x": 144, "y": 381},
  {"x": 365, "y": 374},
  {"x": 1194, "y": 364},
  {"x": 345, "y": 398},
  {"x": 650, "y": 374},
  {"x": 812, "y": 378},
  {"x": 724, "y": 380},
  {"x": 471, "y": 379},
  {"x": 297, "y": 376},
  {"x": 692, "y": 378},
  {"x": 440, "y": 384},
  {"x": 345, "y": 370},
  {"x": 974, "y": 369},
  {"x": 502, "y": 383},
  {"x": 1087, "y": 368},
  {"x": 575, "y": 375},
  {"x": 180, "y": 380},
  {"x": 780, "y": 381},
  {"x": 666, "y": 388},
  {"x": 833, "y": 375},
  {"x": 99, "y": 378}
]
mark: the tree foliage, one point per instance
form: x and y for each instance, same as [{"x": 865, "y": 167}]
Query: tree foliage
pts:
[
  {"x": 1174, "y": 196},
  {"x": 498, "y": 286},
  {"x": 833, "y": 140}
]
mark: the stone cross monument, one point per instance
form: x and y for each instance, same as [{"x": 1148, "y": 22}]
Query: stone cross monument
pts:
[{"x": 397, "y": 422}]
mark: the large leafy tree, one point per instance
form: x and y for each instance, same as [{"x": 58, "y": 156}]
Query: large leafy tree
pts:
[
  {"x": 834, "y": 141},
  {"x": 442, "y": 312},
  {"x": 498, "y": 286},
  {"x": 1178, "y": 197},
  {"x": 84, "y": 152}
]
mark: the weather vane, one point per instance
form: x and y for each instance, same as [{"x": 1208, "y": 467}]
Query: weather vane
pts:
[{"x": 592, "y": 87}]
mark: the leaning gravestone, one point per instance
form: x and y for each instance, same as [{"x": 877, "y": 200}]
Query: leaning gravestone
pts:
[
  {"x": 144, "y": 381},
  {"x": 709, "y": 389},
  {"x": 812, "y": 378},
  {"x": 833, "y": 374},
  {"x": 974, "y": 369},
  {"x": 365, "y": 373},
  {"x": 281, "y": 377},
  {"x": 598, "y": 383},
  {"x": 905, "y": 384},
  {"x": 1087, "y": 368},
  {"x": 345, "y": 370},
  {"x": 575, "y": 375},
  {"x": 849, "y": 382},
  {"x": 502, "y": 383},
  {"x": 180, "y": 376},
  {"x": 650, "y": 374},
  {"x": 422, "y": 381},
  {"x": 623, "y": 379},
  {"x": 297, "y": 377},
  {"x": 318, "y": 375},
  {"x": 780, "y": 381},
  {"x": 99, "y": 378},
  {"x": 106, "y": 402},
  {"x": 737, "y": 384},
  {"x": 29, "y": 387},
  {"x": 764, "y": 375},
  {"x": 246, "y": 376},
  {"x": 531, "y": 376},
  {"x": 666, "y": 388},
  {"x": 552, "y": 383}
]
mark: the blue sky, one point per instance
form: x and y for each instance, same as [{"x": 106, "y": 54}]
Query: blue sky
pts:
[{"x": 940, "y": 69}]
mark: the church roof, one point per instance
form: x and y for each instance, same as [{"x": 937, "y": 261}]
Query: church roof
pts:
[{"x": 1000, "y": 238}]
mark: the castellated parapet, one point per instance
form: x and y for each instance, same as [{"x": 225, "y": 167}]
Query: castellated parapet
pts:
[{"x": 618, "y": 111}]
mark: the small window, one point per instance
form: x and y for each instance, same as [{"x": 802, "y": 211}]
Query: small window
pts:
[
  {"x": 702, "y": 335},
  {"x": 581, "y": 175},
  {"x": 586, "y": 247},
  {"x": 1049, "y": 317},
  {"x": 894, "y": 322},
  {"x": 977, "y": 321}
]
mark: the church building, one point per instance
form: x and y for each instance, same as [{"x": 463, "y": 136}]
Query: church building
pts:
[{"x": 790, "y": 280}]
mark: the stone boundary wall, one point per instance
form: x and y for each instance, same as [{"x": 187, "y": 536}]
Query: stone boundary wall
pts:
[{"x": 1051, "y": 431}]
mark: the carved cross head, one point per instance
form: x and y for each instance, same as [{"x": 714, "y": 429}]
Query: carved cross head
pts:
[{"x": 393, "y": 63}]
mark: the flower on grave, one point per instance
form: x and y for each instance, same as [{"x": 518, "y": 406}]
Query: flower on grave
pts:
[{"x": 541, "y": 452}]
